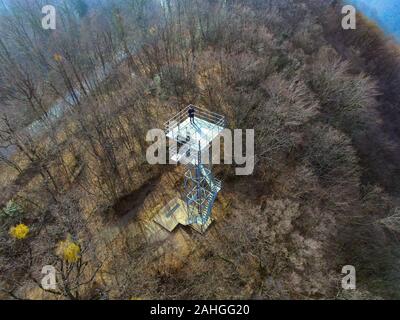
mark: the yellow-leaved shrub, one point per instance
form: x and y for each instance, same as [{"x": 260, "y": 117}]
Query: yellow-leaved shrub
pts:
[
  {"x": 19, "y": 231},
  {"x": 69, "y": 250}
]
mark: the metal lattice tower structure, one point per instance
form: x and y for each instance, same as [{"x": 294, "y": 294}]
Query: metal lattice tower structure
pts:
[{"x": 193, "y": 140}]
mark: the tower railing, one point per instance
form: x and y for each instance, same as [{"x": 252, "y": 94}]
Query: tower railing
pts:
[{"x": 201, "y": 113}]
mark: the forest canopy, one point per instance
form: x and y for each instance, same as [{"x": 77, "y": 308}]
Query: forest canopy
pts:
[{"x": 77, "y": 193}]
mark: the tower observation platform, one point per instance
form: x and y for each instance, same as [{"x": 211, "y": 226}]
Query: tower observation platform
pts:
[{"x": 193, "y": 137}]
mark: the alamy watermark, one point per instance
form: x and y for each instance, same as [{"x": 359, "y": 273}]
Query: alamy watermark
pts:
[
  {"x": 349, "y": 21},
  {"x": 349, "y": 280},
  {"x": 238, "y": 149},
  {"x": 49, "y": 20},
  {"x": 49, "y": 281}
]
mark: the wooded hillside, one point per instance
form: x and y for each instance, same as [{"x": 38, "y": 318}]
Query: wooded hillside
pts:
[{"x": 76, "y": 191}]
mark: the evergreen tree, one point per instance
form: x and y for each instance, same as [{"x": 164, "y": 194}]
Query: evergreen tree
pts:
[{"x": 81, "y": 7}]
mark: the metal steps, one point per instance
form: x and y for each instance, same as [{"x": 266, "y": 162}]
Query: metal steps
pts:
[{"x": 206, "y": 206}]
